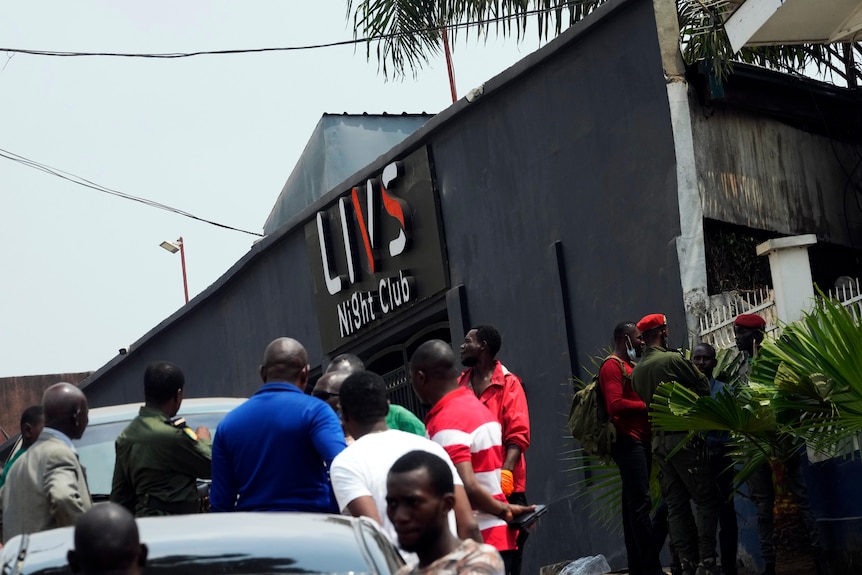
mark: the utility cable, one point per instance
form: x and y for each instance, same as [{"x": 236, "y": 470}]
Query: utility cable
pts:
[
  {"x": 100, "y": 188},
  {"x": 355, "y": 41}
]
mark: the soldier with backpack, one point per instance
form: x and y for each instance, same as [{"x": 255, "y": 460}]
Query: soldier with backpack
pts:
[{"x": 632, "y": 450}]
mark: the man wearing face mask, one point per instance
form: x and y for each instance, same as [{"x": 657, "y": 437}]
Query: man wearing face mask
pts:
[
  {"x": 631, "y": 451},
  {"x": 685, "y": 471}
]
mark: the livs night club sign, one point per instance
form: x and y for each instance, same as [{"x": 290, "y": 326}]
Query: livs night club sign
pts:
[{"x": 376, "y": 251}]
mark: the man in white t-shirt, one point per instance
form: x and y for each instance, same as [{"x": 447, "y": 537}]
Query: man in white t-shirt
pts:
[{"x": 359, "y": 472}]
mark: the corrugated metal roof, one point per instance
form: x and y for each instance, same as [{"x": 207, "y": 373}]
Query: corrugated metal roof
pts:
[{"x": 340, "y": 145}]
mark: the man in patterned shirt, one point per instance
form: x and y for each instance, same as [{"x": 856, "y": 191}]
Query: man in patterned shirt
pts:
[
  {"x": 420, "y": 494},
  {"x": 471, "y": 436}
]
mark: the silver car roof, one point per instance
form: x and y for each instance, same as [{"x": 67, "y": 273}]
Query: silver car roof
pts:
[
  {"x": 128, "y": 411},
  {"x": 311, "y": 539}
]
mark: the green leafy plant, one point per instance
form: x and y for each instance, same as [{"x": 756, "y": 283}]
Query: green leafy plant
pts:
[
  {"x": 805, "y": 386},
  {"x": 598, "y": 480},
  {"x": 813, "y": 376}
]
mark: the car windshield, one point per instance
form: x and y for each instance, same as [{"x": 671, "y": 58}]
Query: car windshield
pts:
[{"x": 96, "y": 449}]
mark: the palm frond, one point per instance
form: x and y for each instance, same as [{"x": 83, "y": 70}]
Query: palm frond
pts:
[
  {"x": 407, "y": 32},
  {"x": 600, "y": 486},
  {"x": 814, "y": 374},
  {"x": 677, "y": 408}
]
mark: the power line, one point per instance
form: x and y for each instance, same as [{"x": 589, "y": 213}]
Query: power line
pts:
[
  {"x": 100, "y": 188},
  {"x": 355, "y": 41}
]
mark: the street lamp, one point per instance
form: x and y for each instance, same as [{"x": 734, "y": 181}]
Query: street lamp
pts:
[{"x": 175, "y": 247}]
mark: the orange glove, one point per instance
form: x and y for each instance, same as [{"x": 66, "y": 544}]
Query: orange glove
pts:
[{"x": 507, "y": 482}]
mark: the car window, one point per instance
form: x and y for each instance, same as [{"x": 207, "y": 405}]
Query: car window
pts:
[
  {"x": 97, "y": 455},
  {"x": 382, "y": 553}
]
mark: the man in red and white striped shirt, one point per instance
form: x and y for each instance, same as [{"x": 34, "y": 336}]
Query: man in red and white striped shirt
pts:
[{"x": 471, "y": 436}]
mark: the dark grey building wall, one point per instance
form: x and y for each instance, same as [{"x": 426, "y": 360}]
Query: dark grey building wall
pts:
[
  {"x": 579, "y": 150},
  {"x": 219, "y": 339},
  {"x": 571, "y": 148}
]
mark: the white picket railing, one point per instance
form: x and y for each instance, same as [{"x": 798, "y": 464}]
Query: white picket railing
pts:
[
  {"x": 849, "y": 293},
  {"x": 716, "y": 327}
]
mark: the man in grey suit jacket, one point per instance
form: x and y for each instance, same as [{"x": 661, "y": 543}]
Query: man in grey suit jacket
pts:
[{"x": 46, "y": 487}]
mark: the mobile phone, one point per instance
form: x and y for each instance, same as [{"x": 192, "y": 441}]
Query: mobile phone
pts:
[{"x": 527, "y": 519}]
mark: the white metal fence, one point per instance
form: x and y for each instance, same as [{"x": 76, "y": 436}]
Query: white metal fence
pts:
[
  {"x": 847, "y": 291},
  {"x": 716, "y": 327}
]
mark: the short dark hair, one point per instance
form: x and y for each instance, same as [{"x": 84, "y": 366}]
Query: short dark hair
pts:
[
  {"x": 490, "y": 335},
  {"x": 438, "y": 470},
  {"x": 363, "y": 397},
  {"x": 162, "y": 379},
  {"x": 622, "y": 328},
  {"x": 705, "y": 345},
  {"x": 32, "y": 415},
  {"x": 346, "y": 362}
]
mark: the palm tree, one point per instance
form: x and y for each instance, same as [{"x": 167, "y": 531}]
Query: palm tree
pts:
[{"x": 408, "y": 32}]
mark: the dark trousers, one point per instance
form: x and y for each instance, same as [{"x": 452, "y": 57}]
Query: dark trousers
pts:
[
  {"x": 684, "y": 477},
  {"x": 762, "y": 492},
  {"x": 513, "y": 567},
  {"x": 728, "y": 535},
  {"x": 634, "y": 460}
]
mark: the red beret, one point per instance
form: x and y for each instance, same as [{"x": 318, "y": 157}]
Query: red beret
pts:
[
  {"x": 652, "y": 321},
  {"x": 751, "y": 320}
]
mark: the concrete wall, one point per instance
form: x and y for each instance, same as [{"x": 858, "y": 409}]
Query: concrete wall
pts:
[
  {"x": 766, "y": 173},
  {"x": 19, "y": 393}
]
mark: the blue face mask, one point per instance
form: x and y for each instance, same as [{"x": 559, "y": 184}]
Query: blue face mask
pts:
[{"x": 630, "y": 351}]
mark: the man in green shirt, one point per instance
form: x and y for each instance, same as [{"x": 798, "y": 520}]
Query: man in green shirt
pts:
[
  {"x": 327, "y": 388},
  {"x": 32, "y": 423},
  {"x": 159, "y": 459},
  {"x": 685, "y": 475}
]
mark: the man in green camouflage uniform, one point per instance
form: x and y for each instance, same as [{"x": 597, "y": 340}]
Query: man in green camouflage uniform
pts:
[
  {"x": 685, "y": 474},
  {"x": 159, "y": 459}
]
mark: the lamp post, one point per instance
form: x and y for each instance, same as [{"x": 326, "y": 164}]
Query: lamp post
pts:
[{"x": 175, "y": 247}]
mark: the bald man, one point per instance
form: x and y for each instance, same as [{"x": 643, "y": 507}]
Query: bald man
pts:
[
  {"x": 107, "y": 543},
  {"x": 272, "y": 452},
  {"x": 46, "y": 487}
]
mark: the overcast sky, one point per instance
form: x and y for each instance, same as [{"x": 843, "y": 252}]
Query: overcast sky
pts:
[{"x": 217, "y": 136}]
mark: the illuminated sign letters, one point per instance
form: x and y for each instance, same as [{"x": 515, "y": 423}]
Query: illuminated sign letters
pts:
[{"x": 376, "y": 250}]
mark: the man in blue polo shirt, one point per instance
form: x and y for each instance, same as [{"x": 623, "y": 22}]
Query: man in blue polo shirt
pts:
[{"x": 273, "y": 452}]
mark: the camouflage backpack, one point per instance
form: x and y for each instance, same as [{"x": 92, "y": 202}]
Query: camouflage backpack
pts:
[{"x": 588, "y": 418}]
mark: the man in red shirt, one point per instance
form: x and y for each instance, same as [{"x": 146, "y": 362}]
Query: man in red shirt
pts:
[
  {"x": 632, "y": 450},
  {"x": 471, "y": 436},
  {"x": 502, "y": 393}
]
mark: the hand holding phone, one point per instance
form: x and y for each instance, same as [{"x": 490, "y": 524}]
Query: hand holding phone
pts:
[{"x": 527, "y": 519}]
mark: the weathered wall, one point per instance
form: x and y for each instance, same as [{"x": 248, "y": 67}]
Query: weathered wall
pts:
[
  {"x": 763, "y": 173},
  {"x": 19, "y": 393}
]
